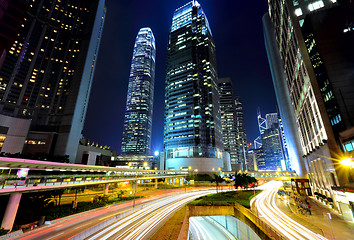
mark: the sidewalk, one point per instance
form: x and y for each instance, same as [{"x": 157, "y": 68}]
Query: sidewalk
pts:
[{"x": 318, "y": 221}]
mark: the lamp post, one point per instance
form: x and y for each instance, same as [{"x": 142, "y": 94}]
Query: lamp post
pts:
[{"x": 196, "y": 171}]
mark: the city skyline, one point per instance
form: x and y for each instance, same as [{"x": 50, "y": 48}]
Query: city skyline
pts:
[
  {"x": 288, "y": 67},
  {"x": 111, "y": 75}
]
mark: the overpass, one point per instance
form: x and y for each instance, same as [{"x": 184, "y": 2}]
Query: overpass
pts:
[
  {"x": 20, "y": 176},
  {"x": 44, "y": 176}
]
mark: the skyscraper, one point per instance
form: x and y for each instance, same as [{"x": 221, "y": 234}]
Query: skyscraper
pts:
[
  {"x": 231, "y": 123},
  {"x": 47, "y": 74},
  {"x": 272, "y": 148},
  {"x": 311, "y": 58},
  {"x": 241, "y": 134},
  {"x": 12, "y": 13},
  {"x": 136, "y": 137},
  {"x": 192, "y": 134},
  {"x": 271, "y": 118}
]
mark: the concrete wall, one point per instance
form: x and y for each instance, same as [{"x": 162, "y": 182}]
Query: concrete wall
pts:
[
  {"x": 238, "y": 211},
  {"x": 93, "y": 152},
  {"x": 16, "y": 133}
]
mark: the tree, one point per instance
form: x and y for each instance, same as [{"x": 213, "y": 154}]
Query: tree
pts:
[
  {"x": 244, "y": 180},
  {"x": 217, "y": 179}
]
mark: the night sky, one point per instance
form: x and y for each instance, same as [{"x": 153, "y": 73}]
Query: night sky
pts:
[{"x": 237, "y": 30}]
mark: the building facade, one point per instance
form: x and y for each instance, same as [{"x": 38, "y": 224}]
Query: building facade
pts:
[
  {"x": 241, "y": 134},
  {"x": 272, "y": 149},
  {"x": 136, "y": 139},
  {"x": 230, "y": 124},
  {"x": 192, "y": 133},
  {"x": 48, "y": 71},
  {"x": 255, "y": 160},
  {"x": 313, "y": 41},
  {"x": 12, "y": 13}
]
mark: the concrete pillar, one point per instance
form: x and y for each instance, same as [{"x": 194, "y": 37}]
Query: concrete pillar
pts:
[
  {"x": 166, "y": 180},
  {"x": 11, "y": 211},
  {"x": 106, "y": 188},
  {"x": 156, "y": 183}
]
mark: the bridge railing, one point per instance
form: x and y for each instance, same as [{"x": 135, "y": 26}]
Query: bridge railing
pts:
[{"x": 13, "y": 182}]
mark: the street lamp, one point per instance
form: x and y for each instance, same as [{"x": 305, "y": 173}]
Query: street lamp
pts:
[{"x": 347, "y": 162}]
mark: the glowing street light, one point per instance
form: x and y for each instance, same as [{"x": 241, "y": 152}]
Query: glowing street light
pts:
[
  {"x": 145, "y": 164},
  {"x": 347, "y": 162}
]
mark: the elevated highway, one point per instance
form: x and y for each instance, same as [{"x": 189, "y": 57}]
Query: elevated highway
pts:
[{"x": 20, "y": 176}]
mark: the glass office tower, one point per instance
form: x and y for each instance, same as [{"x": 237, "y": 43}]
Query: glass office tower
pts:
[
  {"x": 233, "y": 131},
  {"x": 136, "y": 138},
  {"x": 241, "y": 134},
  {"x": 229, "y": 121},
  {"x": 192, "y": 134}
]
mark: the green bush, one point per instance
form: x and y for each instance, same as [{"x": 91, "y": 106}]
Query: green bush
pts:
[{"x": 225, "y": 199}]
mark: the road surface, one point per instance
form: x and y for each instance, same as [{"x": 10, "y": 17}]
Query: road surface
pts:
[
  {"x": 145, "y": 222},
  {"x": 72, "y": 225},
  {"x": 204, "y": 228},
  {"x": 269, "y": 212}
]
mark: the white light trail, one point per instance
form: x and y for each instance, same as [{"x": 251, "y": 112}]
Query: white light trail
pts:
[
  {"x": 140, "y": 224},
  {"x": 265, "y": 204}
]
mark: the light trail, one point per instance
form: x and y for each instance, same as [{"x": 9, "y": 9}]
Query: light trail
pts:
[
  {"x": 200, "y": 229},
  {"x": 142, "y": 223},
  {"x": 205, "y": 228},
  {"x": 73, "y": 225},
  {"x": 266, "y": 206}
]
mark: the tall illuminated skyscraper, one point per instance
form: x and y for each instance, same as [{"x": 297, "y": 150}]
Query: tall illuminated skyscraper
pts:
[
  {"x": 136, "y": 138},
  {"x": 241, "y": 134},
  {"x": 233, "y": 131},
  {"x": 47, "y": 74},
  {"x": 229, "y": 121},
  {"x": 192, "y": 134}
]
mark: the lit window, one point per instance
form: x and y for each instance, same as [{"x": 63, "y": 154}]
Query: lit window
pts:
[
  {"x": 298, "y": 12},
  {"x": 316, "y": 5}
]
